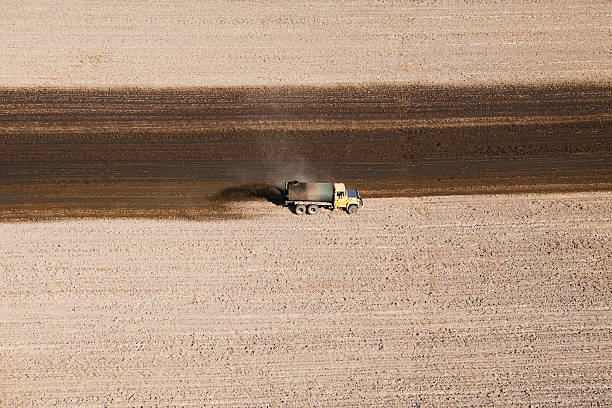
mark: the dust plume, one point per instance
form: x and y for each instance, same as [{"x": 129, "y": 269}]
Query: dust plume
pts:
[{"x": 247, "y": 192}]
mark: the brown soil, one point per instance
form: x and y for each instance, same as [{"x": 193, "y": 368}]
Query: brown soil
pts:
[
  {"x": 456, "y": 300},
  {"x": 137, "y": 152}
]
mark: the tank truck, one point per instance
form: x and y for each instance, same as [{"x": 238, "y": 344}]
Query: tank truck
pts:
[{"x": 309, "y": 197}]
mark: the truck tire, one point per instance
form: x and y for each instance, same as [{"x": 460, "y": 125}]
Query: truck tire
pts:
[
  {"x": 312, "y": 209},
  {"x": 300, "y": 209},
  {"x": 352, "y": 209}
]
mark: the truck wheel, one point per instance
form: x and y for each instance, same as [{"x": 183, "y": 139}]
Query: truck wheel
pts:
[
  {"x": 352, "y": 209},
  {"x": 312, "y": 209},
  {"x": 300, "y": 209}
]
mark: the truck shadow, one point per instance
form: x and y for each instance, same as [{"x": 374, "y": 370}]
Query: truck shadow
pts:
[{"x": 248, "y": 192}]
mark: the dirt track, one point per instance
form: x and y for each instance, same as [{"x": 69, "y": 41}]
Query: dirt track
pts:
[
  {"x": 480, "y": 300},
  {"x": 166, "y": 152}
]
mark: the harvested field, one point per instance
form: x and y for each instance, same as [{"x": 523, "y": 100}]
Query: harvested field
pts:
[
  {"x": 152, "y": 153},
  {"x": 453, "y": 300},
  {"x": 145, "y": 259}
]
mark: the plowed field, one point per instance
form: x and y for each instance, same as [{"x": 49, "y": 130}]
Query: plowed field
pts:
[
  {"x": 280, "y": 42},
  {"x": 166, "y": 152},
  {"x": 455, "y": 300}
]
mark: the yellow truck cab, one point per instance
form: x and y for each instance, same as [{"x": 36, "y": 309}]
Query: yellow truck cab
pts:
[
  {"x": 348, "y": 200},
  {"x": 309, "y": 197}
]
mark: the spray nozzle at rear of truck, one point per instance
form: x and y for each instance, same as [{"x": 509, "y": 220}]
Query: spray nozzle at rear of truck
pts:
[{"x": 309, "y": 197}]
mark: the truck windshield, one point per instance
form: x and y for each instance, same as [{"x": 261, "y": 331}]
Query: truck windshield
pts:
[{"x": 352, "y": 193}]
